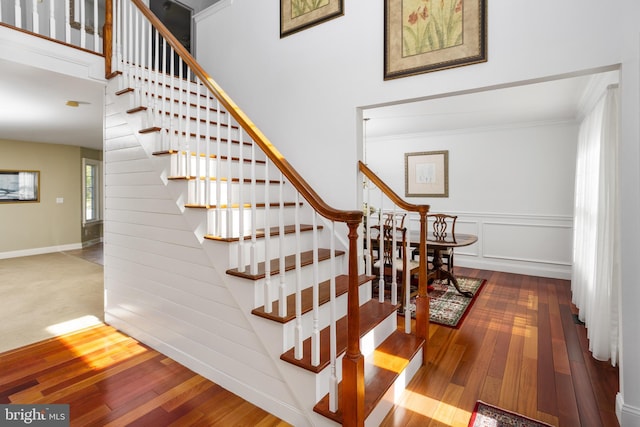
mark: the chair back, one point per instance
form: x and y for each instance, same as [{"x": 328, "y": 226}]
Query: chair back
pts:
[
  {"x": 393, "y": 232},
  {"x": 444, "y": 225}
]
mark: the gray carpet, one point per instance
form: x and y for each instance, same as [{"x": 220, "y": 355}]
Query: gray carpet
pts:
[{"x": 42, "y": 296}]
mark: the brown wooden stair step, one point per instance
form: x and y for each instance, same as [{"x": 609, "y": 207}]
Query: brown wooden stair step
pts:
[
  {"x": 381, "y": 369},
  {"x": 211, "y": 156},
  {"x": 342, "y": 286},
  {"x": 371, "y": 314},
  {"x": 290, "y": 264}
]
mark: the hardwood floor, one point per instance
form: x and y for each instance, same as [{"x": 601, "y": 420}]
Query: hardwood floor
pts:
[
  {"x": 519, "y": 348},
  {"x": 109, "y": 379}
]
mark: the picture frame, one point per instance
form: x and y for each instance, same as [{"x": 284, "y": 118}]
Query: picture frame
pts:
[
  {"x": 89, "y": 18},
  {"x": 422, "y": 36},
  {"x": 19, "y": 186},
  {"x": 427, "y": 174},
  {"x": 297, "y": 15}
]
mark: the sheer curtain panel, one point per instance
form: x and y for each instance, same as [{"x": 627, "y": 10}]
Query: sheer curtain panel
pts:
[{"x": 595, "y": 280}]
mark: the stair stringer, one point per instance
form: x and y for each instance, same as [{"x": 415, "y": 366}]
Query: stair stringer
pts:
[{"x": 161, "y": 284}]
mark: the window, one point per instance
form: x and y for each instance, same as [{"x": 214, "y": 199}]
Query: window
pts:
[{"x": 91, "y": 194}]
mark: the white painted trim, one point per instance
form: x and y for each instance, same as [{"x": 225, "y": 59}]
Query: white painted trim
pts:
[
  {"x": 212, "y": 10},
  {"x": 40, "y": 251},
  {"x": 628, "y": 416},
  {"x": 464, "y": 131},
  {"x": 41, "y": 53}
]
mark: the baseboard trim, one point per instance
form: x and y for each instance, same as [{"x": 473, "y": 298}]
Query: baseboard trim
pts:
[
  {"x": 40, "y": 251},
  {"x": 628, "y": 416}
]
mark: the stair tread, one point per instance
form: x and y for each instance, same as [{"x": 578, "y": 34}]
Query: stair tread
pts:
[
  {"x": 273, "y": 231},
  {"x": 290, "y": 264},
  {"x": 381, "y": 370},
  {"x": 371, "y": 314},
  {"x": 236, "y": 206},
  {"x": 342, "y": 286},
  {"x": 211, "y": 156}
]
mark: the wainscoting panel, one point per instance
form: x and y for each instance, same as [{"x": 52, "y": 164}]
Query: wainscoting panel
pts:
[{"x": 537, "y": 245}]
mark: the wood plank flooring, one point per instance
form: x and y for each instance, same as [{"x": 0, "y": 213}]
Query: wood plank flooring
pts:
[
  {"x": 110, "y": 379},
  {"x": 519, "y": 348}
]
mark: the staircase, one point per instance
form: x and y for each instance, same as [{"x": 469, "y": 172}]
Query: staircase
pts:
[{"x": 221, "y": 256}]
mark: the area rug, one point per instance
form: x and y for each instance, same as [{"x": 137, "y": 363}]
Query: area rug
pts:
[
  {"x": 485, "y": 415},
  {"x": 446, "y": 306}
]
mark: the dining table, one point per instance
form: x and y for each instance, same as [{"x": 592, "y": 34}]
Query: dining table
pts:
[{"x": 439, "y": 243}]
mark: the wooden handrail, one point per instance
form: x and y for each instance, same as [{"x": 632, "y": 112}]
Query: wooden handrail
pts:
[
  {"x": 389, "y": 192},
  {"x": 263, "y": 142}
]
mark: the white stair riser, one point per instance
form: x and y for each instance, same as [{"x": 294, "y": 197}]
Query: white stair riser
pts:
[
  {"x": 228, "y": 193},
  {"x": 183, "y": 164},
  {"x": 226, "y": 223}
]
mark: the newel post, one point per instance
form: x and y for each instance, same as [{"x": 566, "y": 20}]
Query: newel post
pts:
[
  {"x": 422, "y": 300},
  {"x": 107, "y": 37},
  {"x": 352, "y": 403}
]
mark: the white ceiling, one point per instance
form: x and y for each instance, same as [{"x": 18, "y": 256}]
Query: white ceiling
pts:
[
  {"x": 556, "y": 100},
  {"x": 32, "y": 107}
]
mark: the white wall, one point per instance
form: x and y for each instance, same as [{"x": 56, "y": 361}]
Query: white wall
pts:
[
  {"x": 503, "y": 182},
  {"x": 304, "y": 92}
]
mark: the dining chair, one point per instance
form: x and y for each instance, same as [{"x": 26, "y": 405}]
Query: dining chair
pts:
[
  {"x": 443, "y": 227},
  {"x": 389, "y": 255}
]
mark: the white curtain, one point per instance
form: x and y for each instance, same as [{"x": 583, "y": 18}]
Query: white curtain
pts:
[{"x": 595, "y": 280}]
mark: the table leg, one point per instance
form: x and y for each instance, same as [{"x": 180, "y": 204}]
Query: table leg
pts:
[{"x": 440, "y": 273}]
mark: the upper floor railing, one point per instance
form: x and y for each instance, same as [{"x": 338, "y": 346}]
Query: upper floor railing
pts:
[{"x": 74, "y": 22}]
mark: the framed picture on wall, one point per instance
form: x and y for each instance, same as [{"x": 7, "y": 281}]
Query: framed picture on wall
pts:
[
  {"x": 19, "y": 186},
  {"x": 426, "y": 174},
  {"x": 421, "y": 36},
  {"x": 297, "y": 15}
]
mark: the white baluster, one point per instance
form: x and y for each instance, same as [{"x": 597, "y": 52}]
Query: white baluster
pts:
[
  {"x": 407, "y": 280},
  {"x": 35, "y": 17},
  {"x": 394, "y": 253},
  {"x": 18, "y": 13},
  {"x": 198, "y": 147},
  {"x": 207, "y": 171},
  {"x": 367, "y": 254},
  {"x": 254, "y": 210},
  {"x": 282, "y": 288},
  {"x": 96, "y": 27},
  {"x": 268, "y": 305},
  {"x": 333, "y": 345},
  {"x": 181, "y": 119},
  {"x": 229, "y": 177},
  {"x": 52, "y": 19},
  {"x": 117, "y": 36},
  {"x": 315, "y": 335},
  {"x": 83, "y": 31},
  {"x": 67, "y": 21},
  {"x": 218, "y": 224},
  {"x": 241, "y": 255},
  {"x": 381, "y": 251},
  {"x": 298, "y": 326}
]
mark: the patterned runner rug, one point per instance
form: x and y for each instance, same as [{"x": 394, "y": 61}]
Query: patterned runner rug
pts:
[
  {"x": 447, "y": 307},
  {"x": 485, "y": 415}
]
